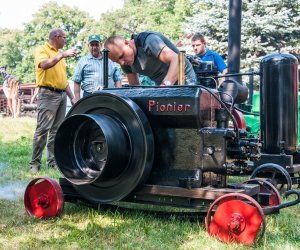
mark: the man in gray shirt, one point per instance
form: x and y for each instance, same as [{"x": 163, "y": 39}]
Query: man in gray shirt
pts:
[
  {"x": 89, "y": 71},
  {"x": 150, "y": 54}
]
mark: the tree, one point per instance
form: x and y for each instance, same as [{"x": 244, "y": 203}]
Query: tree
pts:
[
  {"x": 10, "y": 50},
  {"x": 19, "y": 47},
  {"x": 267, "y": 26},
  {"x": 166, "y": 16}
]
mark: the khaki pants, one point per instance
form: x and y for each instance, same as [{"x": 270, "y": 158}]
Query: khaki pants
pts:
[{"x": 51, "y": 112}]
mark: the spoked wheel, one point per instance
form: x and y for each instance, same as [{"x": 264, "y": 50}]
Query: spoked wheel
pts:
[
  {"x": 236, "y": 217},
  {"x": 43, "y": 198},
  {"x": 268, "y": 194},
  {"x": 275, "y": 174}
]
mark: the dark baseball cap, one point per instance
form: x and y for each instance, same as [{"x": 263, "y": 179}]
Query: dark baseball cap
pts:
[{"x": 94, "y": 38}]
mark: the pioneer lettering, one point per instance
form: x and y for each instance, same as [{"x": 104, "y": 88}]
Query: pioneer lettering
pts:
[{"x": 169, "y": 107}]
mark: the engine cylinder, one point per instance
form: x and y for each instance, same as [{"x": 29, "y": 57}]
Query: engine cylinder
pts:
[{"x": 279, "y": 103}]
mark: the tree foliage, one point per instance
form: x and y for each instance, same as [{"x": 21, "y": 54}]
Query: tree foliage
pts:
[
  {"x": 166, "y": 16},
  {"x": 267, "y": 26},
  {"x": 18, "y": 48}
]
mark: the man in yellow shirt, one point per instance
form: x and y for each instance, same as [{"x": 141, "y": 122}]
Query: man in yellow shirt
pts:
[{"x": 53, "y": 89}]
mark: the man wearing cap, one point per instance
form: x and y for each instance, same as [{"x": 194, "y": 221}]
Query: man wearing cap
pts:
[
  {"x": 53, "y": 89},
  {"x": 89, "y": 70}
]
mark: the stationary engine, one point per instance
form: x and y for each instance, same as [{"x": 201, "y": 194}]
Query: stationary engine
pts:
[
  {"x": 172, "y": 146},
  {"x": 118, "y": 139},
  {"x": 176, "y": 146}
]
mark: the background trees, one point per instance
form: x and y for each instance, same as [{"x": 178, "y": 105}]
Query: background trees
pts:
[
  {"x": 17, "y": 47},
  {"x": 267, "y": 26}
]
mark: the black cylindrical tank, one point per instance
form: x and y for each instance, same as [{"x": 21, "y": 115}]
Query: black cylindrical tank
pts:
[{"x": 279, "y": 103}]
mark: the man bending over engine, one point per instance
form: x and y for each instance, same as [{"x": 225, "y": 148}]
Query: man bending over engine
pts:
[{"x": 150, "y": 54}]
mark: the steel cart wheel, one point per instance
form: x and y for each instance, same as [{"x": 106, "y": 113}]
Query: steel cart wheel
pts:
[
  {"x": 236, "y": 217},
  {"x": 43, "y": 198},
  {"x": 266, "y": 188},
  {"x": 275, "y": 173}
]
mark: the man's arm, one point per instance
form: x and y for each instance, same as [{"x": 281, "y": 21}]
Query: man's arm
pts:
[
  {"x": 49, "y": 63},
  {"x": 76, "y": 91},
  {"x": 35, "y": 93},
  {"x": 169, "y": 57},
  {"x": 117, "y": 77},
  {"x": 70, "y": 94},
  {"x": 133, "y": 79},
  {"x": 221, "y": 80},
  {"x": 118, "y": 84}
]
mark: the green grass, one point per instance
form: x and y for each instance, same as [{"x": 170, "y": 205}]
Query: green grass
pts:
[{"x": 80, "y": 227}]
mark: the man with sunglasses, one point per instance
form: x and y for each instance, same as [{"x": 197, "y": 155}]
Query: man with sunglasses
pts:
[{"x": 53, "y": 89}]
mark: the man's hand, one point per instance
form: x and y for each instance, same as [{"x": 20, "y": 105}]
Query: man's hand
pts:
[
  {"x": 74, "y": 100},
  {"x": 69, "y": 53}
]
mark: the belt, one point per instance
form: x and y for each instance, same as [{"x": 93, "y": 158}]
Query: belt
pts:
[{"x": 53, "y": 89}]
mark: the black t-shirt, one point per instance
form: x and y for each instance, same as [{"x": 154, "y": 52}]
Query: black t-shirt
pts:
[{"x": 149, "y": 46}]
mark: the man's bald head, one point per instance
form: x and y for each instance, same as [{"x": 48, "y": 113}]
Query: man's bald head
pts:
[
  {"x": 120, "y": 50},
  {"x": 56, "y": 32},
  {"x": 114, "y": 40}
]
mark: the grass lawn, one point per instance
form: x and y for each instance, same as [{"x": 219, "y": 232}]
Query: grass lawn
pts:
[{"x": 80, "y": 227}]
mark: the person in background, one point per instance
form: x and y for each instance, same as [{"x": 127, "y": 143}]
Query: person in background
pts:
[
  {"x": 11, "y": 92},
  {"x": 150, "y": 54},
  {"x": 89, "y": 71},
  {"x": 53, "y": 89},
  {"x": 199, "y": 46}
]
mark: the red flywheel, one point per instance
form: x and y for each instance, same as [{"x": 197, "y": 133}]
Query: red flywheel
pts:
[{"x": 43, "y": 198}]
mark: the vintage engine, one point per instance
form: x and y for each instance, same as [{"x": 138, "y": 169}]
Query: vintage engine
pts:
[
  {"x": 116, "y": 140},
  {"x": 206, "y": 71},
  {"x": 177, "y": 145},
  {"x": 172, "y": 146}
]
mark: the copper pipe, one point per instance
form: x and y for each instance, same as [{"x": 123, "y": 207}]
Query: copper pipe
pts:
[{"x": 181, "y": 57}]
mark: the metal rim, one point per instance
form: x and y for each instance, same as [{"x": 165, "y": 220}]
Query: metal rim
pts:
[
  {"x": 237, "y": 217},
  {"x": 43, "y": 198},
  {"x": 273, "y": 168},
  {"x": 266, "y": 186}
]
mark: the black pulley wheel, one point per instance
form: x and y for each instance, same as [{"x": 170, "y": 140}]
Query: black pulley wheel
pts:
[{"x": 105, "y": 147}]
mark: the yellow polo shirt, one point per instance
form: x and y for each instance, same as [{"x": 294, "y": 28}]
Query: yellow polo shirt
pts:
[{"x": 56, "y": 76}]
